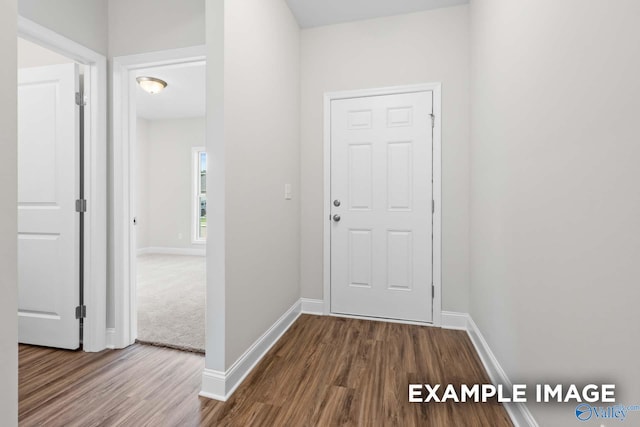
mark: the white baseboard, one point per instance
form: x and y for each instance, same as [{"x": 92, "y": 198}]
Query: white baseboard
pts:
[
  {"x": 172, "y": 251},
  {"x": 453, "y": 320},
  {"x": 312, "y": 306},
  {"x": 213, "y": 385},
  {"x": 221, "y": 385},
  {"x": 518, "y": 412},
  {"x": 111, "y": 338}
]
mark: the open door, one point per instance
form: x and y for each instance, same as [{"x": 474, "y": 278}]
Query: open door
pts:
[{"x": 48, "y": 224}]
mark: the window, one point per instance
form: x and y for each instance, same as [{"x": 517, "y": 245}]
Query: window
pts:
[{"x": 200, "y": 195}]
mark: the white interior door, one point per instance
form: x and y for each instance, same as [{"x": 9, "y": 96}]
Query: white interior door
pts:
[
  {"x": 48, "y": 225},
  {"x": 381, "y": 196}
]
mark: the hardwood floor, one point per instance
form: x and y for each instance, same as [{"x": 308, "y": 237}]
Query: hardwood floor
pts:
[{"x": 325, "y": 371}]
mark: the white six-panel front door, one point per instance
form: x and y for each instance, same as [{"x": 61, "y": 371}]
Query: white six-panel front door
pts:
[
  {"x": 48, "y": 249},
  {"x": 381, "y": 206}
]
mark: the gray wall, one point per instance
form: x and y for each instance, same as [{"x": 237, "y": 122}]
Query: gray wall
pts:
[
  {"x": 423, "y": 47},
  {"x": 149, "y": 25},
  {"x": 555, "y": 205},
  {"x": 262, "y": 154},
  {"x": 8, "y": 217},
  {"x": 82, "y": 21},
  {"x": 165, "y": 180},
  {"x": 215, "y": 98}
]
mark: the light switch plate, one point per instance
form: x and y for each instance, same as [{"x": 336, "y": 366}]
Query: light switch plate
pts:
[{"x": 287, "y": 191}]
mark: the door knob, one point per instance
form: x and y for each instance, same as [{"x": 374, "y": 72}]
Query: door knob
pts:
[
  {"x": 336, "y": 203},
  {"x": 336, "y": 218}
]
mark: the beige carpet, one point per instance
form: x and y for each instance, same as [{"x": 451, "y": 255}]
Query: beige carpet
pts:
[{"x": 171, "y": 301}]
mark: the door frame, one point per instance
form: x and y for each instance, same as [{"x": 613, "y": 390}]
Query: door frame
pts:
[
  {"x": 437, "y": 190},
  {"x": 124, "y": 249},
  {"x": 95, "y": 176}
]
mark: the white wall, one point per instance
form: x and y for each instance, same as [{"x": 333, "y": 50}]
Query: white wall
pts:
[
  {"x": 8, "y": 217},
  {"x": 33, "y": 55},
  {"x": 422, "y": 47},
  {"x": 148, "y": 25},
  {"x": 555, "y": 205},
  {"x": 83, "y": 21},
  {"x": 262, "y": 154},
  {"x": 216, "y": 183},
  {"x": 165, "y": 176}
]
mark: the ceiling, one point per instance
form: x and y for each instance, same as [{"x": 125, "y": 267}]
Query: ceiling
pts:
[
  {"x": 313, "y": 13},
  {"x": 183, "y": 97}
]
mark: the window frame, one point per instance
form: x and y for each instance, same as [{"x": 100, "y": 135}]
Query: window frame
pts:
[{"x": 195, "y": 195}]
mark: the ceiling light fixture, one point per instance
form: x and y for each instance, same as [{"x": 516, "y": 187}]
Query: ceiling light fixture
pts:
[{"x": 151, "y": 84}]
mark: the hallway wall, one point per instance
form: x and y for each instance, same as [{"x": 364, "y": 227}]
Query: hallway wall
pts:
[
  {"x": 555, "y": 205},
  {"x": 149, "y": 25},
  {"x": 262, "y": 154},
  {"x": 8, "y": 216}
]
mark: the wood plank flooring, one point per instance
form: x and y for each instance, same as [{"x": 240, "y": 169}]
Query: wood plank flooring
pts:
[{"x": 325, "y": 371}]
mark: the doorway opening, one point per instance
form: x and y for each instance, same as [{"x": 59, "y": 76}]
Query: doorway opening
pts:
[
  {"x": 170, "y": 207},
  {"x": 159, "y": 205}
]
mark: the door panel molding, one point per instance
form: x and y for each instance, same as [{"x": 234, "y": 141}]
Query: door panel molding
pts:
[{"x": 398, "y": 118}]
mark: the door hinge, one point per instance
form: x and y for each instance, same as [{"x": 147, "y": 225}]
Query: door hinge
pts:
[
  {"x": 433, "y": 206},
  {"x": 80, "y": 99},
  {"x": 433, "y": 291},
  {"x": 81, "y": 205},
  {"x": 81, "y": 312},
  {"x": 433, "y": 120}
]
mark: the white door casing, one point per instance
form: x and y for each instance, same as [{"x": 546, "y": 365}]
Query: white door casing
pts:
[
  {"x": 48, "y": 225},
  {"x": 381, "y": 173}
]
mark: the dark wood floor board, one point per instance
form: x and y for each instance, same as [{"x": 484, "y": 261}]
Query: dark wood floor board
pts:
[{"x": 325, "y": 371}]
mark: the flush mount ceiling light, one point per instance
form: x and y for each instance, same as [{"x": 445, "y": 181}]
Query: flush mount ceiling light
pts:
[{"x": 151, "y": 84}]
